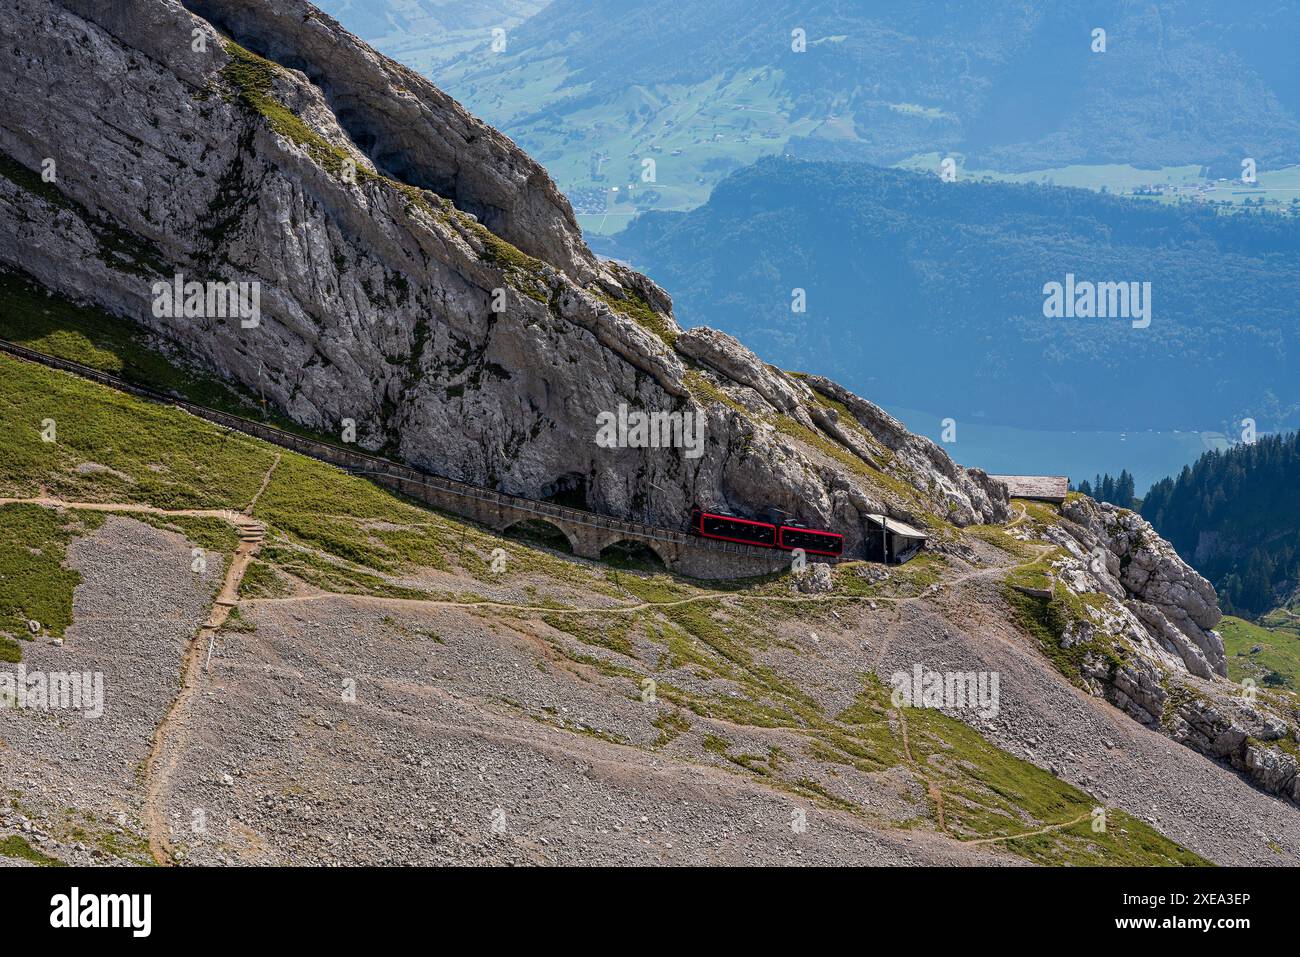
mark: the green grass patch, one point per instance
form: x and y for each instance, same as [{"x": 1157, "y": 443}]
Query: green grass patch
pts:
[
  {"x": 528, "y": 271},
  {"x": 908, "y": 580},
  {"x": 113, "y": 447},
  {"x": 252, "y": 77},
  {"x": 999, "y": 537},
  {"x": 904, "y": 492},
  {"x": 336, "y": 576},
  {"x": 642, "y": 313},
  {"x": 704, "y": 390},
  {"x": 125, "y": 846},
  {"x": 670, "y": 724},
  {"x": 261, "y": 580},
  {"x": 991, "y": 793},
  {"x": 1276, "y": 663},
  {"x": 822, "y": 443},
  {"x": 17, "y": 847},
  {"x": 34, "y": 584},
  {"x": 56, "y": 326},
  {"x": 210, "y": 534},
  {"x": 613, "y": 632},
  {"x": 1126, "y": 842},
  {"x": 1047, "y": 620}
]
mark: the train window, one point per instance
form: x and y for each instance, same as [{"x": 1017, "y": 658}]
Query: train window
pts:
[
  {"x": 736, "y": 529},
  {"x": 825, "y": 543}
]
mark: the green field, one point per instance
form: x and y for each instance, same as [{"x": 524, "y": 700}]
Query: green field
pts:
[
  {"x": 699, "y": 133},
  {"x": 1276, "y": 663},
  {"x": 1276, "y": 189},
  {"x": 696, "y": 134}
]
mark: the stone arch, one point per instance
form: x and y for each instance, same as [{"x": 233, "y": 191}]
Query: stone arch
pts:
[
  {"x": 539, "y": 531},
  {"x": 637, "y": 553}
]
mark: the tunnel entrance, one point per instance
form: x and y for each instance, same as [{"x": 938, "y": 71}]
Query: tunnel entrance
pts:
[{"x": 569, "y": 490}]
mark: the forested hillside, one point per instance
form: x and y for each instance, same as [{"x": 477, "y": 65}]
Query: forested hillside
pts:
[
  {"x": 1235, "y": 516},
  {"x": 1120, "y": 491},
  {"x": 930, "y": 295}
]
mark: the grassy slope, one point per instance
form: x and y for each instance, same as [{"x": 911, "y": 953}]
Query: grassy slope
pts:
[
  {"x": 18, "y": 848},
  {"x": 324, "y": 530},
  {"x": 34, "y": 585},
  {"x": 52, "y": 324},
  {"x": 1277, "y": 663}
]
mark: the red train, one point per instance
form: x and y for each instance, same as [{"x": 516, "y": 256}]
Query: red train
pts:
[{"x": 746, "y": 531}]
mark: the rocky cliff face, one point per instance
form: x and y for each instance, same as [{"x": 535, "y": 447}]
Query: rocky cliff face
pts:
[
  {"x": 418, "y": 273},
  {"x": 1151, "y": 649},
  {"x": 1176, "y": 607}
]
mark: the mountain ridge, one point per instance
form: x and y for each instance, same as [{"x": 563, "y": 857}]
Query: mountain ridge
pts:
[
  {"x": 349, "y": 301},
  {"x": 1014, "y": 86}
]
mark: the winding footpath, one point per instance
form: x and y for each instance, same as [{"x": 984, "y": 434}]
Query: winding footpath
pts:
[{"x": 171, "y": 734}]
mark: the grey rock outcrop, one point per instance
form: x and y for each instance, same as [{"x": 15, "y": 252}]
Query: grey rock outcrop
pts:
[
  {"x": 1178, "y": 606},
  {"x": 816, "y": 579},
  {"x": 412, "y": 130},
  {"x": 1167, "y": 667},
  {"x": 970, "y": 494},
  {"x": 418, "y": 273},
  {"x": 725, "y": 354}
]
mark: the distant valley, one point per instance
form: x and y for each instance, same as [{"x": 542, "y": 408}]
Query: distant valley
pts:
[
  {"x": 1181, "y": 93},
  {"x": 930, "y": 296}
]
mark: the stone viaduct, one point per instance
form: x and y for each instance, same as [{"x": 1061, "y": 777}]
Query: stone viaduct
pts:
[{"x": 589, "y": 534}]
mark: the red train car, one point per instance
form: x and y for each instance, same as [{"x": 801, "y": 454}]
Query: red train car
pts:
[
  {"x": 811, "y": 540},
  {"x": 746, "y": 531},
  {"x": 729, "y": 528}
]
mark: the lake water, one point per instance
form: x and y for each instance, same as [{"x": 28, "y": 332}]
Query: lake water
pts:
[{"x": 1003, "y": 449}]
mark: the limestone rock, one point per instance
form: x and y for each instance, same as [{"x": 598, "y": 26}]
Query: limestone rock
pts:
[
  {"x": 815, "y": 579},
  {"x": 215, "y": 139},
  {"x": 725, "y": 354},
  {"x": 1179, "y": 606}
]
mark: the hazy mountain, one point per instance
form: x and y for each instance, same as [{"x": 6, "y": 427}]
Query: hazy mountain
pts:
[
  {"x": 930, "y": 295},
  {"x": 423, "y": 33},
  {"x": 593, "y": 87}
]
